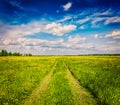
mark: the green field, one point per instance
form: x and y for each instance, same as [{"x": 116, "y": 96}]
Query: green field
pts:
[{"x": 60, "y": 80}]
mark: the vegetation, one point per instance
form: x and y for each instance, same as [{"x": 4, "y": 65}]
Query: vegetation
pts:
[
  {"x": 100, "y": 76},
  {"x": 6, "y": 53},
  {"x": 60, "y": 80},
  {"x": 20, "y": 76},
  {"x": 100, "y": 55}
]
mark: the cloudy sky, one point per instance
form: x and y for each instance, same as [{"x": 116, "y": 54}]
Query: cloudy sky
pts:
[{"x": 60, "y": 26}]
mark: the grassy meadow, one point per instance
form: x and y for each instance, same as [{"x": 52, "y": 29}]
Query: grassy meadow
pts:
[{"x": 60, "y": 80}]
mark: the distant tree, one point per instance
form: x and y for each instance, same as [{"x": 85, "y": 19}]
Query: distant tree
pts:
[
  {"x": 18, "y": 54},
  {"x": 10, "y": 54},
  {"x": 26, "y": 54},
  {"x": 0, "y": 53},
  {"x": 15, "y": 54},
  {"x": 30, "y": 54},
  {"x": 4, "y": 53}
]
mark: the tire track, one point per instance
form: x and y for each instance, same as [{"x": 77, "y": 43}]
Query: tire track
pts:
[
  {"x": 36, "y": 96},
  {"x": 81, "y": 96}
]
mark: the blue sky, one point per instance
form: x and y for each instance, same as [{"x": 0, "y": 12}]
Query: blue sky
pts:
[{"x": 60, "y": 27}]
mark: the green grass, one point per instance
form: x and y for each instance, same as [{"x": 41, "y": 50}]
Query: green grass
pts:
[
  {"x": 19, "y": 77},
  {"x": 86, "y": 80},
  {"x": 100, "y": 76}
]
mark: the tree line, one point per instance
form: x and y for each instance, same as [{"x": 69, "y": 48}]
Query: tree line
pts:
[
  {"x": 6, "y": 53},
  {"x": 101, "y": 55}
]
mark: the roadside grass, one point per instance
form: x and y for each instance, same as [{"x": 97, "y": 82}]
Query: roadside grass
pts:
[
  {"x": 19, "y": 76},
  {"x": 99, "y": 75}
]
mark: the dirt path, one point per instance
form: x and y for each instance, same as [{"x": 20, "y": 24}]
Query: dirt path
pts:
[
  {"x": 81, "y": 96},
  {"x": 36, "y": 97}
]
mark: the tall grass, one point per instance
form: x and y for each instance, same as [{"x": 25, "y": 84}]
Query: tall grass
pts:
[
  {"x": 100, "y": 76},
  {"x": 19, "y": 76}
]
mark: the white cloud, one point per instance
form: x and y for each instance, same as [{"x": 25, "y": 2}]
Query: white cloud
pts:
[
  {"x": 96, "y": 36},
  {"x": 106, "y": 17},
  {"x": 96, "y": 20},
  {"x": 59, "y": 29},
  {"x": 109, "y": 48},
  {"x": 82, "y": 27},
  {"x": 107, "y": 20},
  {"x": 74, "y": 46},
  {"x": 114, "y": 35},
  {"x": 32, "y": 28},
  {"x": 115, "y": 19},
  {"x": 105, "y": 13},
  {"x": 113, "y": 42},
  {"x": 6, "y": 41},
  {"x": 67, "y": 6},
  {"x": 75, "y": 42},
  {"x": 33, "y": 42},
  {"x": 65, "y": 19},
  {"x": 86, "y": 45},
  {"x": 81, "y": 21},
  {"x": 46, "y": 46},
  {"x": 76, "y": 39},
  {"x": 15, "y": 31}
]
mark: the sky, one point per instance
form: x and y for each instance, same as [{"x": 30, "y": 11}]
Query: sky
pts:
[{"x": 60, "y": 27}]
